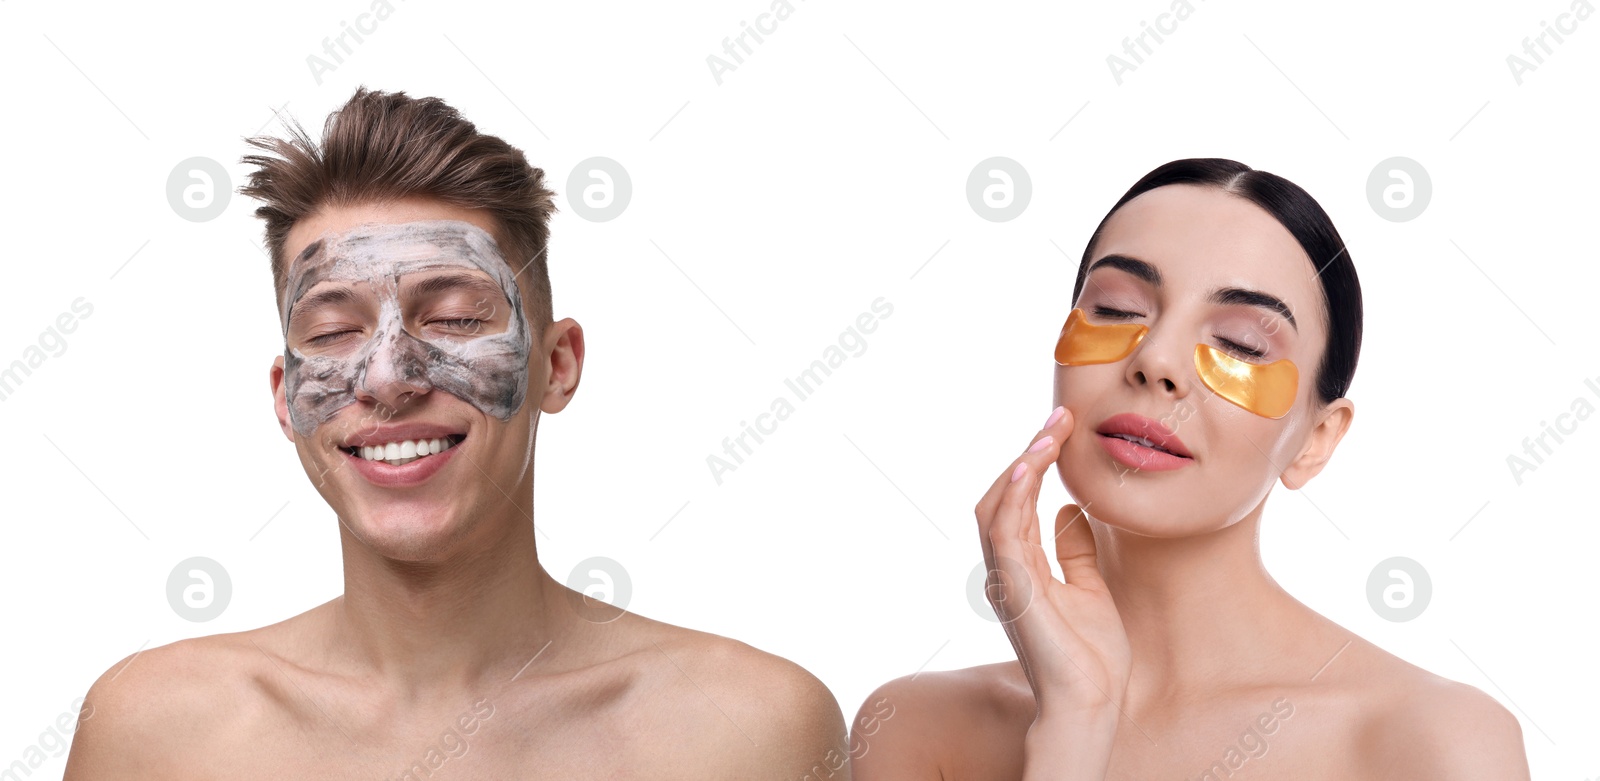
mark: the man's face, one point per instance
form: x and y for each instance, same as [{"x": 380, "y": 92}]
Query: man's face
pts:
[
  {"x": 407, "y": 371},
  {"x": 445, "y": 311}
]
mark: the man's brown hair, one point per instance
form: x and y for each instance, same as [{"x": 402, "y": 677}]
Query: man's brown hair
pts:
[{"x": 382, "y": 146}]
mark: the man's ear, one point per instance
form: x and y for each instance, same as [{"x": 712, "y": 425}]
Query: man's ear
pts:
[
  {"x": 563, "y": 357},
  {"x": 1330, "y": 428},
  {"x": 280, "y": 400}
]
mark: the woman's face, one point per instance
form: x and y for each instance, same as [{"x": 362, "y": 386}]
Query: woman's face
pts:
[{"x": 1175, "y": 259}]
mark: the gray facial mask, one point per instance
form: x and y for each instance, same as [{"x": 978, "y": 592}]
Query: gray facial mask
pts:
[{"x": 488, "y": 371}]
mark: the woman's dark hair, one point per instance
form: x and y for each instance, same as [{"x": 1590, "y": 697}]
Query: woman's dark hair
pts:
[{"x": 1304, "y": 218}]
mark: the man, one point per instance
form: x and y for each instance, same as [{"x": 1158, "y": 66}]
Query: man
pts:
[{"x": 408, "y": 256}]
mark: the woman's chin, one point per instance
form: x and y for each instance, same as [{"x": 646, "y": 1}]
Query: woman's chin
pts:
[
  {"x": 1146, "y": 511},
  {"x": 1145, "y": 524},
  {"x": 1166, "y": 503}
]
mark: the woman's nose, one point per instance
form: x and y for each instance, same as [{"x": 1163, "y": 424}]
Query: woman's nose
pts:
[{"x": 1163, "y": 360}]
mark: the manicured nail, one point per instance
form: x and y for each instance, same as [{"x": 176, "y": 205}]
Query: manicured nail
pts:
[
  {"x": 1055, "y": 416},
  {"x": 1017, "y": 473},
  {"x": 1044, "y": 442}
]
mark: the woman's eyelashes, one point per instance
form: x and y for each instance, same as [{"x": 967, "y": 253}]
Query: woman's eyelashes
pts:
[
  {"x": 1115, "y": 314},
  {"x": 1241, "y": 350},
  {"x": 1229, "y": 345}
]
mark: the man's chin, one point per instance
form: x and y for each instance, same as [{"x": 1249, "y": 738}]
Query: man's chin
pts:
[{"x": 406, "y": 534}]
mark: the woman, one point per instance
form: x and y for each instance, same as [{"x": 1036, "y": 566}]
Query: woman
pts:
[{"x": 1215, "y": 327}]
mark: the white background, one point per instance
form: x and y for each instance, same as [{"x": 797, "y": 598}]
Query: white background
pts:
[{"x": 769, "y": 212}]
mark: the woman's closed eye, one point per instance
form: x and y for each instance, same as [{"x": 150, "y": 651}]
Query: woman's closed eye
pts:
[
  {"x": 1240, "y": 350},
  {"x": 1115, "y": 314},
  {"x": 1236, "y": 349}
]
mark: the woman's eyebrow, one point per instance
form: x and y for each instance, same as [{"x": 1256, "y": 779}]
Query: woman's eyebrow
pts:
[
  {"x": 1133, "y": 266},
  {"x": 1236, "y": 295},
  {"x": 1224, "y": 296}
]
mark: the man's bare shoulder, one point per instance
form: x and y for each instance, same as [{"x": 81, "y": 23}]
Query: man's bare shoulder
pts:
[
  {"x": 935, "y": 724},
  {"x": 161, "y": 700},
  {"x": 757, "y": 713}
]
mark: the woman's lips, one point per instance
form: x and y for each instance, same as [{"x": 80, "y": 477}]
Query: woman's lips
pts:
[
  {"x": 1136, "y": 456},
  {"x": 1160, "y": 450},
  {"x": 1149, "y": 429}
]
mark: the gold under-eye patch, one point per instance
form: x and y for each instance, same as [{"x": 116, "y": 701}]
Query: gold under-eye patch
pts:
[
  {"x": 1267, "y": 389},
  {"x": 1082, "y": 342}
]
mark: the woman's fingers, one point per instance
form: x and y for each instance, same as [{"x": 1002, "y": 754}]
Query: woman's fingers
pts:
[
  {"x": 1036, "y": 456},
  {"x": 1075, "y": 549},
  {"x": 1028, "y": 512},
  {"x": 1011, "y": 517},
  {"x": 1017, "y": 560},
  {"x": 1008, "y": 522}
]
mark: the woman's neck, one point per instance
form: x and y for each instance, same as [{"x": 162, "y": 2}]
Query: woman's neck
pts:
[{"x": 1202, "y": 614}]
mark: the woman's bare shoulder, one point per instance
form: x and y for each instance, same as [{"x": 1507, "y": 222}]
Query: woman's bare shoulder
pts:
[
  {"x": 1415, "y": 723},
  {"x": 943, "y": 724}
]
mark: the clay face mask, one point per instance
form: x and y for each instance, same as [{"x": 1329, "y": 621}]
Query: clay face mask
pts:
[
  {"x": 468, "y": 336},
  {"x": 1267, "y": 390}
]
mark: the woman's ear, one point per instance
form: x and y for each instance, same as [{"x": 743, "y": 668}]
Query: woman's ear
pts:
[{"x": 1334, "y": 421}]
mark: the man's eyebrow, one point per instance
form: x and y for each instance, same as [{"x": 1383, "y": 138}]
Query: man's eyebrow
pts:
[
  {"x": 455, "y": 281},
  {"x": 1224, "y": 296},
  {"x": 327, "y": 296}
]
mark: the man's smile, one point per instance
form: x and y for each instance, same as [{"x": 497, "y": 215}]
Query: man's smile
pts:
[
  {"x": 401, "y": 454},
  {"x": 403, "y": 451}
]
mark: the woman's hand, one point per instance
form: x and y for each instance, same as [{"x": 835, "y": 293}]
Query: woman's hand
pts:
[{"x": 1068, "y": 635}]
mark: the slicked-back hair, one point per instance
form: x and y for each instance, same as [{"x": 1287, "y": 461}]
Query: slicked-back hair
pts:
[{"x": 384, "y": 146}]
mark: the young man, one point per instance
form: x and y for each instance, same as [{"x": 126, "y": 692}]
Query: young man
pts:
[{"x": 408, "y": 257}]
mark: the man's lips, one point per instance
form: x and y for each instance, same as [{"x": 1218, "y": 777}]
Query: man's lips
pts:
[
  {"x": 397, "y": 444},
  {"x": 385, "y": 433},
  {"x": 1131, "y": 425},
  {"x": 406, "y": 470}
]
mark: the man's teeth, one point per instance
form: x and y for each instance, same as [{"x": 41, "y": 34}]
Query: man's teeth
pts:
[{"x": 398, "y": 453}]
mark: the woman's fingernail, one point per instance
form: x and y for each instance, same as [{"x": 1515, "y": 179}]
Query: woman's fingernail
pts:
[
  {"x": 1055, "y": 416},
  {"x": 1044, "y": 442},
  {"x": 1017, "y": 473}
]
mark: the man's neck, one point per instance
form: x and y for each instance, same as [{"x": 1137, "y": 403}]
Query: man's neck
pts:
[{"x": 471, "y": 620}]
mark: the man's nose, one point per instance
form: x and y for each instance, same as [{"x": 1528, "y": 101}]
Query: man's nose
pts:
[{"x": 396, "y": 369}]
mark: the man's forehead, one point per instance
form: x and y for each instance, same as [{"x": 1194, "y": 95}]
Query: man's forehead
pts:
[
  {"x": 373, "y": 252},
  {"x": 400, "y": 244},
  {"x": 380, "y": 253}
]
